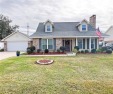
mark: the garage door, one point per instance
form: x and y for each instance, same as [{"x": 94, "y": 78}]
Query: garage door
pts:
[{"x": 14, "y": 46}]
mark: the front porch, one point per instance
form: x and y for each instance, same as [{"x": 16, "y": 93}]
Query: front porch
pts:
[{"x": 83, "y": 43}]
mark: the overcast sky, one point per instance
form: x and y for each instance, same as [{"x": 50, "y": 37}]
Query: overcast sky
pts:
[{"x": 35, "y": 11}]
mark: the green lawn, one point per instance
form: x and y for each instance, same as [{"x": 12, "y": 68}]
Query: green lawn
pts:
[{"x": 83, "y": 74}]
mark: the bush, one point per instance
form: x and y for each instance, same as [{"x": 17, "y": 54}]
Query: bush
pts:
[
  {"x": 86, "y": 51},
  {"x": 75, "y": 50},
  {"x": 76, "y": 47},
  {"x": 109, "y": 51},
  {"x": 93, "y": 51},
  {"x": 46, "y": 51},
  {"x": 29, "y": 51},
  {"x": 38, "y": 50},
  {"x": 1, "y": 50},
  {"x": 62, "y": 48},
  {"x": 33, "y": 48},
  {"x": 58, "y": 50},
  {"x": 82, "y": 51},
  {"x": 98, "y": 50}
]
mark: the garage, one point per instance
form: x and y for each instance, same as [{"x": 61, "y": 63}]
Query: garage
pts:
[
  {"x": 14, "y": 46},
  {"x": 16, "y": 41}
]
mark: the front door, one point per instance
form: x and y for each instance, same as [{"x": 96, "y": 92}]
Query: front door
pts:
[{"x": 67, "y": 45}]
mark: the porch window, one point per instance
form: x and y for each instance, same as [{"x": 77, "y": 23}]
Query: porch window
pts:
[
  {"x": 80, "y": 43},
  {"x": 47, "y": 44},
  {"x": 92, "y": 43}
]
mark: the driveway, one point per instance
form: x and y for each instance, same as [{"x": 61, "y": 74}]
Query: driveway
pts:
[{"x": 4, "y": 55}]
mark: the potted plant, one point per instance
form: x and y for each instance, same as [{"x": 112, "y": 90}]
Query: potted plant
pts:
[{"x": 17, "y": 53}]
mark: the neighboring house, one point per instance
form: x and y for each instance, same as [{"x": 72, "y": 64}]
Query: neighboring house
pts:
[
  {"x": 1, "y": 45},
  {"x": 16, "y": 41},
  {"x": 53, "y": 35},
  {"x": 110, "y": 33}
]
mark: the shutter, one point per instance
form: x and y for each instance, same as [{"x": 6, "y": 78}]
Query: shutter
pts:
[
  {"x": 95, "y": 43},
  {"x": 87, "y": 43},
  {"x": 83, "y": 43},
  {"x": 40, "y": 44},
  {"x": 54, "y": 42}
]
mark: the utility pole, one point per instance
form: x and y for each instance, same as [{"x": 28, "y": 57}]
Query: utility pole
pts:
[{"x": 27, "y": 29}]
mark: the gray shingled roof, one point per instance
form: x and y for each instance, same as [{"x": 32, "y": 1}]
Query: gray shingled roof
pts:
[{"x": 63, "y": 29}]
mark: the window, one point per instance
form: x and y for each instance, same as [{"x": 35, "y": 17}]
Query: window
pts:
[
  {"x": 80, "y": 43},
  {"x": 48, "y": 28},
  {"x": 83, "y": 27},
  {"x": 92, "y": 43},
  {"x": 47, "y": 44},
  {"x": 44, "y": 43}
]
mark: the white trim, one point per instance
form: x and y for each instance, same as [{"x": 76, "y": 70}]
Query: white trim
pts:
[
  {"x": 13, "y": 34},
  {"x": 89, "y": 44}
]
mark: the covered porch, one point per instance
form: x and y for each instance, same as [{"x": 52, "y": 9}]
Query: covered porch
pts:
[{"x": 83, "y": 43}]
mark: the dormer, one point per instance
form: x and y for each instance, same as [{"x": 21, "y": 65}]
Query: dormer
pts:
[
  {"x": 83, "y": 26},
  {"x": 48, "y": 26}
]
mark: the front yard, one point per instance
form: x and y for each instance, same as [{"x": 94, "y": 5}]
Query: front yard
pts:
[{"x": 83, "y": 74}]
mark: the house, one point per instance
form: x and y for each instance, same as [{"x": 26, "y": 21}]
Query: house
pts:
[
  {"x": 16, "y": 41},
  {"x": 52, "y": 35},
  {"x": 110, "y": 33}
]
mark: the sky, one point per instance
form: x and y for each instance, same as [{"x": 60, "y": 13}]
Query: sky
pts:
[{"x": 23, "y": 12}]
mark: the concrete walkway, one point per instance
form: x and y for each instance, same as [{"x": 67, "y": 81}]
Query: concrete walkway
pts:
[{"x": 4, "y": 55}]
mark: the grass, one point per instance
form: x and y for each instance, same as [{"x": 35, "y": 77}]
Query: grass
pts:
[{"x": 83, "y": 74}]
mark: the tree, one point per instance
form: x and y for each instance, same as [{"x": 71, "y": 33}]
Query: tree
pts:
[{"x": 5, "y": 27}]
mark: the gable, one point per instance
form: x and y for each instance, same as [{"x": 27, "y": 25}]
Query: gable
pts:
[{"x": 17, "y": 36}]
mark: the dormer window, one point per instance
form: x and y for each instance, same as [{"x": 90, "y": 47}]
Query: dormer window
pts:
[
  {"x": 48, "y": 28},
  {"x": 83, "y": 27}
]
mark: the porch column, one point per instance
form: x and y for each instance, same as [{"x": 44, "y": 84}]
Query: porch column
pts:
[
  {"x": 90, "y": 44},
  {"x": 76, "y": 42},
  {"x": 85, "y": 43},
  {"x": 97, "y": 43}
]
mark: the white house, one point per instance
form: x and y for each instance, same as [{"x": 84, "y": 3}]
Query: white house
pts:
[{"x": 16, "y": 41}]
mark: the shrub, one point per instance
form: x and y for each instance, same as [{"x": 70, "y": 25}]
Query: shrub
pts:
[
  {"x": 1, "y": 50},
  {"x": 99, "y": 50},
  {"x": 58, "y": 50},
  {"x": 86, "y": 51},
  {"x": 75, "y": 50},
  {"x": 46, "y": 51},
  {"x": 29, "y": 51},
  {"x": 93, "y": 51},
  {"x": 32, "y": 48},
  {"x": 109, "y": 51},
  {"x": 82, "y": 51},
  {"x": 76, "y": 47},
  {"x": 62, "y": 48},
  {"x": 38, "y": 50}
]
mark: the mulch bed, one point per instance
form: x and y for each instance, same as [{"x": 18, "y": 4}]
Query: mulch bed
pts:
[
  {"x": 44, "y": 62},
  {"x": 50, "y": 53}
]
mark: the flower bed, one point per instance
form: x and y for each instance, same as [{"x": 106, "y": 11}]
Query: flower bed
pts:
[
  {"x": 50, "y": 53},
  {"x": 44, "y": 62}
]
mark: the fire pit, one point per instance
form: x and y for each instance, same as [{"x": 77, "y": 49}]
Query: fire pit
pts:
[{"x": 44, "y": 62}]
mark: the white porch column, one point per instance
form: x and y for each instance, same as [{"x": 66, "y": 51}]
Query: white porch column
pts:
[
  {"x": 76, "y": 42},
  {"x": 90, "y": 44},
  {"x": 85, "y": 43},
  {"x": 97, "y": 43}
]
